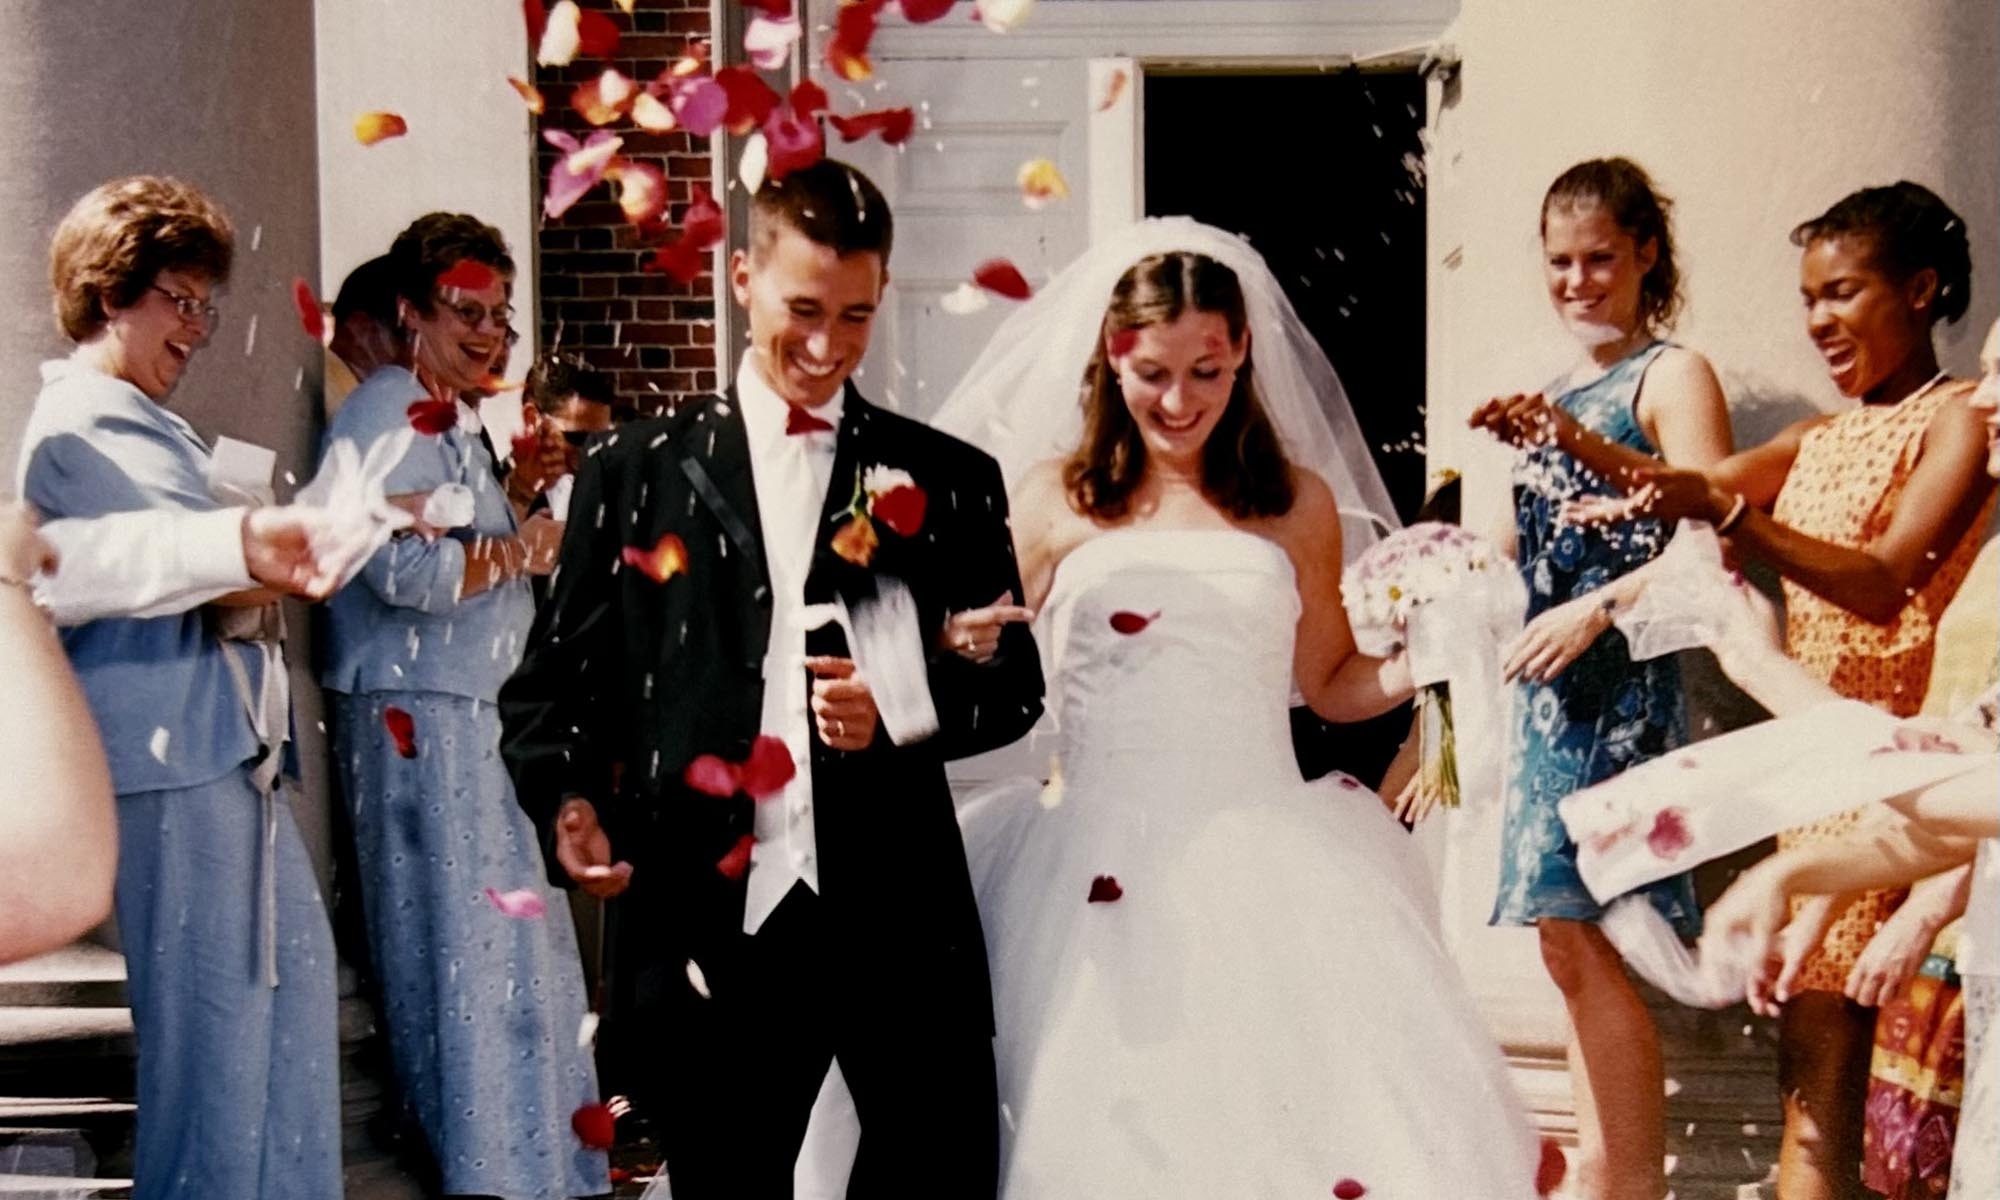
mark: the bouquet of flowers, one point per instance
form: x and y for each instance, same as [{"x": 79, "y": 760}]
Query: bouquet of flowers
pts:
[{"x": 1436, "y": 591}]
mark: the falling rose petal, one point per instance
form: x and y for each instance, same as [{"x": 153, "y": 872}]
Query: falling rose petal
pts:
[
  {"x": 312, "y": 318},
  {"x": 755, "y": 161},
  {"x": 530, "y": 95},
  {"x": 808, "y": 98},
  {"x": 1004, "y": 16},
  {"x": 1002, "y": 278},
  {"x": 901, "y": 509},
  {"x": 652, "y": 115},
  {"x": 469, "y": 275},
  {"x": 793, "y": 141},
  {"x": 1113, "y": 89},
  {"x": 768, "y": 769},
  {"x": 562, "y": 35},
  {"x": 664, "y": 560},
  {"x": 919, "y": 12},
  {"x": 522, "y": 904},
  {"x": 713, "y": 775},
  {"x": 702, "y": 105},
  {"x": 402, "y": 729},
  {"x": 768, "y": 41},
  {"x": 847, "y": 49},
  {"x": 770, "y": 8},
  {"x": 578, "y": 171},
  {"x": 373, "y": 127},
  {"x": 432, "y": 417},
  {"x": 893, "y": 124},
  {"x": 1104, "y": 889},
  {"x": 856, "y": 541},
  {"x": 1122, "y": 341},
  {"x": 682, "y": 261},
  {"x": 596, "y": 34},
  {"x": 594, "y": 1126},
  {"x": 697, "y": 980},
  {"x": 702, "y": 223},
  {"x": 1128, "y": 623},
  {"x": 1550, "y": 1170},
  {"x": 964, "y": 300},
  {"x": 736, "y": 864},
  {"x": 1669, "y": 835},
  {"x": 1349, "y": 1189},
  {"x": 605, "y": 98},
  {"x": 536, "y": 16},
  {"x": 157, "y": 744},
  {"x": 749, "y": 99},
  {"x": 642, "y": 189},
  {"x": 1041, "y": 183}
]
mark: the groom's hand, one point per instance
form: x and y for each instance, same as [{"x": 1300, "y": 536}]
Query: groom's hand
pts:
[
  {"x": 843, "y": 707},
  {"x": 975, "y": 633},
  {"x": 584, "y": 850}
]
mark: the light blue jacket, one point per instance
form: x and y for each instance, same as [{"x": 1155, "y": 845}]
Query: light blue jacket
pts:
[
  {"x": 400, "y": 626},
  {"x": 169, "y": 714}
]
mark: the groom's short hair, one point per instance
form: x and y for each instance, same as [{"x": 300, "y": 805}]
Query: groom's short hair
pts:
[{"x": 828, "y": 203}]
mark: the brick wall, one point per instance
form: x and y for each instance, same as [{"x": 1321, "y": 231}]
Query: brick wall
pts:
[{"x": 655, "y": 335}]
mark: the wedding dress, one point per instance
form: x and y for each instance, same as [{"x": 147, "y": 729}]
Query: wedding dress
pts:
[{"x": 1213, "y": 979}]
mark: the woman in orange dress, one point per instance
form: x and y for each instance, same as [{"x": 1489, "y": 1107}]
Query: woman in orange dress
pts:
[{"x": 1873, "y": 516}]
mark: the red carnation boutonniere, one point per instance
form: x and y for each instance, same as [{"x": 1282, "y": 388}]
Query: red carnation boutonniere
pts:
[{"x": 885, "y": 497}]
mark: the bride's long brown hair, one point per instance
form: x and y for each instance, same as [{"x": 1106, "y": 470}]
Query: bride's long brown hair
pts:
[{"x": 1244, "y": 471}]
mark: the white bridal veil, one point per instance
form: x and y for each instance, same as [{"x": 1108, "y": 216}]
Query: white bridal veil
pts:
[{"x": 1020, "y": 401}]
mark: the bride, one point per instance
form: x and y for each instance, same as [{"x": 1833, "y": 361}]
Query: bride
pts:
[{"x": 1210, "y": 977}]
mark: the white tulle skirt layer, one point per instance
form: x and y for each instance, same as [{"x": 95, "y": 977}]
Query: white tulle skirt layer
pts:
[{"x": 1265, "y": 1010}]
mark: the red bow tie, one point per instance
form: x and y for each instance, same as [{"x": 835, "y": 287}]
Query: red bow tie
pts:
[{"x": 799, "y": 420}]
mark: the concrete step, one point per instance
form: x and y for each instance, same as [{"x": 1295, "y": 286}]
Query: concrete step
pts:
[{"x": 82, "y": 975}]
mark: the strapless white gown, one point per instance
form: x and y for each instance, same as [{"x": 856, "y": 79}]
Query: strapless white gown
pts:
[{"x": 1268, "y": 1007}]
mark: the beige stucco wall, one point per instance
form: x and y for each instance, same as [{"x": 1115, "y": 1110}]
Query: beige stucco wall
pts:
[{"x": 1752, "y": 116}]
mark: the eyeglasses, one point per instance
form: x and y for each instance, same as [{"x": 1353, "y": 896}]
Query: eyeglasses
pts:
[
  {"x": 472, "y": 314},
  {"x": 192, "y": 307},
  {"x": 579, "y": 437}
]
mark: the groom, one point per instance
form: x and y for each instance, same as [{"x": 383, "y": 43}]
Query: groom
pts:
[{"x": 782, "y": 904}]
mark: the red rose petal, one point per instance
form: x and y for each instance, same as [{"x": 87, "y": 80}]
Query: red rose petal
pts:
[
  {"x": 433, "y": 417},
  {"x": 750, "y": 98},
  {"x": 702, "y": 222},
  {"x": 1122, "y": 341},
  {"x": 1104, "y": 889},
  {"x": 1550, "y": 1170},
  {"x": 1349, "y": 1189},
  {"x": 1128, "y": 623},
  {"x": 1669, "y": 835},
  {"x": 1002, "y": 278},
  {"x": 596, "y": 34},
  {"x": 594, "y": 1126},
  {"x": 770, "y": 8},
  {"x": 666, "y": 559},
  {"x": 525, "y": 445},
  {"x": 893, "y": 124},
  {"x": 808, "y": 98},
  {"x": 736, "y": 864},
  {"x": 920, "y": 11},
  {"x": 311, "y": 316},
  {"x": 768, "y": 769},
  {"x": 683, "y": 262},
  {"x": 794, "y": 142},
  {"x": 536, "y": 14},
  {"x": 402, "y": 728},
  {"x": 713, "y": 775},
  {"x": 470, "y": 275},
  {"x": 901, "y": 508},
  {"x": 620, "y": 1175}
]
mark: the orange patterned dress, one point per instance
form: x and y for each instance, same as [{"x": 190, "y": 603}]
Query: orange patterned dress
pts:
[{"x": 1843, "y": 488}]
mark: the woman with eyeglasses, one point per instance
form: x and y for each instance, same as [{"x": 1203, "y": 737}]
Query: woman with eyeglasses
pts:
[
  {"x": 483, "y": 994},
  {"x": 229, "y": 958}
]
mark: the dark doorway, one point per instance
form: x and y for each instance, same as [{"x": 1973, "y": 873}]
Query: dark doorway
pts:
[{"x": 1322, "y": 173}]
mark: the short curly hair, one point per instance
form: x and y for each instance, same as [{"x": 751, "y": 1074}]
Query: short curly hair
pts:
[
  {"x": 435, "y": 243},
  {"x": 119, "y": 236},
  {"x": 1913, "y": 229}
]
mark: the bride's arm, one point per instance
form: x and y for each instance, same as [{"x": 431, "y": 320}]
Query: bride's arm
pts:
[{"x": 1337, "y": 681}]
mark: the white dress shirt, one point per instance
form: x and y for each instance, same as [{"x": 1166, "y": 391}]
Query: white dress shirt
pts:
[
  {"x": 790, "y": 473},
  {"x": 148, "y": 563}
]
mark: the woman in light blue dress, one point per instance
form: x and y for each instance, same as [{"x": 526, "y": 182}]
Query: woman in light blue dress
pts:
[
  {"x": 483, "y": 994},
  {"x": 1585, "y": 710},
  {"x": 228, "y": 955}
]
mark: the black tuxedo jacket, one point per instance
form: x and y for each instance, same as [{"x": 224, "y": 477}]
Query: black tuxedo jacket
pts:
[{"x": 626, "y": 680}]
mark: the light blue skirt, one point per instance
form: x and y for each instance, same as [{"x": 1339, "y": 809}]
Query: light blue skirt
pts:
[
  {"x": 483, "y": 1009},
  {"x": 239, "y": 1082}
]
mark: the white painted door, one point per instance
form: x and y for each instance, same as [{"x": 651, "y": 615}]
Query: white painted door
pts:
[{"x": 952, "y": 187}]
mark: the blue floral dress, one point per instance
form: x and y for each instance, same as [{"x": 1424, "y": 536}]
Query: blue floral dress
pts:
[{"x": 1605, "y": 712}]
